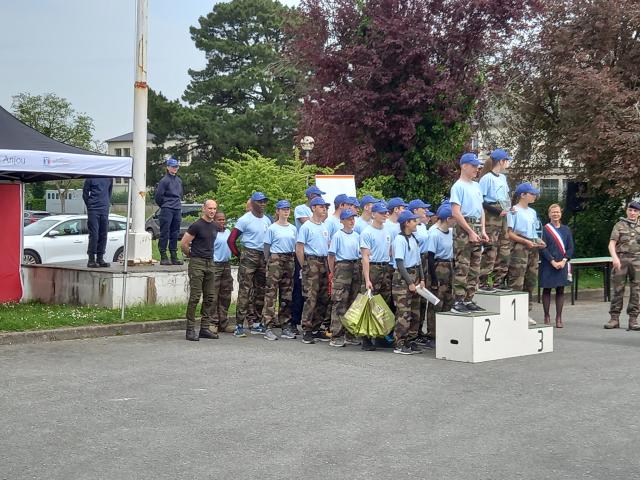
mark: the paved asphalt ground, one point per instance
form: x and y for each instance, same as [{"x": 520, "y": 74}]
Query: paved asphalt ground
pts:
[{"x": 154, "y": 406}]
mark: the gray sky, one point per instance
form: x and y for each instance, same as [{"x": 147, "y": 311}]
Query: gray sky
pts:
[{"x": 83, "y": 50}]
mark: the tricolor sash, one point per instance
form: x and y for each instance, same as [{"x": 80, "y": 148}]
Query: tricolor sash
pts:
[{"x": 555, "y": 235}]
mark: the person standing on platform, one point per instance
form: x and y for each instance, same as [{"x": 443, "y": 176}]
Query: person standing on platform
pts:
[
  {"x": 624, "y": 248},
  {"x": 525, "y": 233},
  {"x": 469, "y": 233},
  {"x": 375, "y": 247},
  {"x": 346, "y": 269},
  {"x": 252, "y": 271},
  {"x": 197, "y": 244},
  {"x": 440, "y": 259},
  {"x": 555, "y": 269},
  {"x": 406, "y": 278},
  {"x": 222, "y": 278},
  {"x": 279, "y": 252},
  {"x": 312, "y": 248},
  {"x": 496, "y": 203},
  {"x": 96, "y": 193},
  {"x": 365, "y": 218},
  {"x": 168, "y": 197}
]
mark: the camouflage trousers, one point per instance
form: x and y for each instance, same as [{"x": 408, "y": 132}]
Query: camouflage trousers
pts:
[
  {"x": 407, "y": 308},
  {"x": 200, "y": 273},
  {"x": 424, "y": 259},
  {"x": 629, "y": 269},
  {"x": 279, "y": 281},
  {"x": 315, "y": 289},
  {"x": 444, "y": 291},
  {"x": 523, "y": 270},
  {"x": 495, "y": 258},
  {"x": 467, "y": 266},
  {"x": 223, "y": 287},
  {"x": 381, "y": 276},
  {"x": 347, "y": 277},
  {"x": 252, "y": 274}
]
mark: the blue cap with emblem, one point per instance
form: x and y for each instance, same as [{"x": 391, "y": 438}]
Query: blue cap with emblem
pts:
[
  {"x": 318, "y": 201},
  {"x": 258, "y": 197},
  {"x": 379, "y": 207},
  {"x": 172, "y": 162},
  {"x": 406, "y": 216},
  {"x": 526, "y": 187},
  {"x": 313, "y": 190},
  {"x": 348, "y": 213},
  {"x": 471, "y": 159},
  {"x": 283, "y": 204}
]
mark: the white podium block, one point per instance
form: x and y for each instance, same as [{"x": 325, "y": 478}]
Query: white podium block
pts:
[{"x": 500, "y": 332}]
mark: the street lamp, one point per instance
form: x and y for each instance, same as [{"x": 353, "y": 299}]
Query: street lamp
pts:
[{"x": 307, "y": 143}]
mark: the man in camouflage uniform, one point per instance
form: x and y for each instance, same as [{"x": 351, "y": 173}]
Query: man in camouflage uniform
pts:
[{"x": 624, "y": 247}]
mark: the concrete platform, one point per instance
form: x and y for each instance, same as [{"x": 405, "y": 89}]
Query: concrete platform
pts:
[{"x": 75, "y": 284}]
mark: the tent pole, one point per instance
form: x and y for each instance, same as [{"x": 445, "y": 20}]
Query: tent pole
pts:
[{"x": 123, "y": 299}]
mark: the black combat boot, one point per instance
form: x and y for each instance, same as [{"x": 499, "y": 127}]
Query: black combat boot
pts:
[
  {"x": 92, "y": 261},
  {"x": 206, "y": 333},
  {"x": 174, "y": 259},
  {"x": 164, "y": 260},
  {"x": 101, "y": 263},
  {"x": 191, "y": 335}
]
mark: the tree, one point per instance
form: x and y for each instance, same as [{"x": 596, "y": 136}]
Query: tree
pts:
[
  {"x": 572, "y": 96},
  {"x": 55, "y": 117},
  {"x": 394, "y": 82}
]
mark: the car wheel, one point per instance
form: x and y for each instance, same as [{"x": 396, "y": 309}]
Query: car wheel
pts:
[
  {"x": 118, "y": 257},
  {"x": 30, "y": 257}
]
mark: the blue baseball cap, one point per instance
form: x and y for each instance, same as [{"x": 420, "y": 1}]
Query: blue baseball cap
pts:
[
  {"x": 471, "y": 159},
  {"x": 499, "y": 154},
  {"x": 379, "y": 207},
  {"x": 354, "y": 201},
  {"x": 368, "y": 199},
  {"x": 340, "y": 198},
  {"x": 406, "y": 216},
  {"x": 258, "y": 196},
  {"x": 417, "y": 203},
  {"x": 348, "y": 213},
  {"x": 444, "y": 211},
  {"x": 172, "y": 162},
  {"x": 526, "y": 188},
  {"x": 313, "y": 190},
  {"x": 283, "y": 204},
  {"x": 318, "y": 201},
  {"x": 396, "y": 202}
]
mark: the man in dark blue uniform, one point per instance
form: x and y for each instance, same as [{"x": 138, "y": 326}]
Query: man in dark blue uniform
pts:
[
  {"x": 96, "y": 194},
  {"x": 169, "y": 198}
]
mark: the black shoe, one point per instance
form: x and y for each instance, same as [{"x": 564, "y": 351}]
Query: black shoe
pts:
[
  {"x": 472, "y": 307},
  {"x": 460, "y": 307},
  {"x": 486, "y": 289},
  {"x": 165, "y": 261},
  {"x": 206, "y": 333},
  {"x": 101, "y": 263},
  {"x": 308, "y": 338},
  {"x": 414, "y": 347},
  {"x": 367, "y": 345},
  {"x": 503, "y": 288},
  {"x": 321, "y": 335},
  {"x": 175, "y": 261},
  {"x": 191, "y": 336},
  {"x": 92, "y": 262}
]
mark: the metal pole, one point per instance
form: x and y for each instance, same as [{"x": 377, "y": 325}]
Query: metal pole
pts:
[{"x": 125, "y": 269}]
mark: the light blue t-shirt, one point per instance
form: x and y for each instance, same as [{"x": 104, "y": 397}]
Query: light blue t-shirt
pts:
[
  {"x": 300, "y": 212},
  {"x": 360, "y": 226},
  {"x": 406, "y": 250},
  {"x": 253, "y": 230},
  {"x": 315, "y": 238},
  {"x": 524, "y": 221},
  {"x": 393, "y": 228},
  {"x": 441, "y": 244},
  {"x": 281, "y": 238},
  {"x": 469, "y": 197},
  {"x": 333, "y": 225},
  {"x": 422, "y": 235},
  {"x": 345, "y": 246},
  {"x": 494, "y": 187},
  {"x": 221, "y": 251},
  {"x": 378, "y": 242}
]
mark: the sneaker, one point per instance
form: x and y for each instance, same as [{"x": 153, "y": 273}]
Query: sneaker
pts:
[
  {"x": 337, "y": 342},
  {"x": 308, "y": 338},
  {"x": 486, "y": 289},
  {"x": 351, "y": 340},
  {"x": 532, "y": 321},
  {"x": 473, "y": 307},
  {"x": 288, "y": 334},
  {"x": 367, "y": 344},
  {"x": 322, "y": 335},
  {"x": 239, "y": 332},
  {"x": 431, "y": 344},
  {"x": 460, "y": 307},
  {"x": 269, "y": 335},
  {"x": 403, "y": 350},
  {"x": 503, "y": 287},
  {"x": 414, "y": 347},
  {"x": 258, "y": 329},
  {"x": 422, "y": 341}
]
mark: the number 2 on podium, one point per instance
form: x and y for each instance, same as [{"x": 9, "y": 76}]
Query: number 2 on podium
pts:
[{"x": 486, "y": 334}]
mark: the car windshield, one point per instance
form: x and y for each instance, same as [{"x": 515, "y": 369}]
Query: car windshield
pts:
[{"x": 39, "y": 227}]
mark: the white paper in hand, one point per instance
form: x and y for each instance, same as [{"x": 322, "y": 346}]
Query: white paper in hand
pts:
[{"x": 426, "y": 293}]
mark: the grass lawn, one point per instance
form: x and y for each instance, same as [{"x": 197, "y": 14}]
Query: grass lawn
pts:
[
  {"x": 590, "y": 278},
  {"x": 37, "y": 316}
]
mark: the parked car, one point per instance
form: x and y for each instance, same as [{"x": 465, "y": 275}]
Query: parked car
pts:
[
  {"x": 152, "y": 224},
  {"x": 65, "y": 238},
  {"x": 32, "y": 216}
]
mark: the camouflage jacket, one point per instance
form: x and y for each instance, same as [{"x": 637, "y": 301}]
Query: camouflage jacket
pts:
[{"x": 627, "y": 236}]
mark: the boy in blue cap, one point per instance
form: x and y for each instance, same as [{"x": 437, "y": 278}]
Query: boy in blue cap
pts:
[
  {"x": 525, "y": 231},
  {"x": 469, "y": 233},
  {"x": 168, "y": 197},
  {"x": 222, "y": 279},
  {"x": 421, "y": 210},
  {"x": 346, "y": 269},
  {"x": 395, "y": 206},
  {"x": 279, "y": 252},
  {"x": 312, "y": 248},
  {"x": 364, "y": 220},
  {"x": 341, "y": 203},
  {"x": 251, "y": 228},
  {"x": 96, "y": 193}
]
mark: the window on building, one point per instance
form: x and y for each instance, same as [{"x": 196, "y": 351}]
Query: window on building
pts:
[
  {"x": 118, "y": 152},
  {"x": 126, "y": 152},
  {"x": 550, "y": 188}
]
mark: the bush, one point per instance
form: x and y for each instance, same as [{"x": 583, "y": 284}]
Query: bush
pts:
[
  {"x": 38, "y": 204},
  {"x": 120, "y": 198}
]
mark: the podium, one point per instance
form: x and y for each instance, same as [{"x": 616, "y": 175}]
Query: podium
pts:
[{"x": 502, "y": 331}]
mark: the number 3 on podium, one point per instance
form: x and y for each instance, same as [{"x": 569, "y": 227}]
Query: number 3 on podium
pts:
[{"x": 541, "y": 340}]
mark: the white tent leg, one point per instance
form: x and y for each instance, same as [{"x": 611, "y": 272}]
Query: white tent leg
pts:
[{"x": 123, "y": 297}]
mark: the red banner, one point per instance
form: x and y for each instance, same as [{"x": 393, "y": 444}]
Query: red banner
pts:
[{"x": 10, "y": 240}]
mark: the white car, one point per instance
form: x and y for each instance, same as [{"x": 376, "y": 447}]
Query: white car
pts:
[{"x": 65, "y": 238}]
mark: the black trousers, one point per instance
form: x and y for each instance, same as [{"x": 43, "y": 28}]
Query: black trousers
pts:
[
  {"x": 98, "y": 225},
  {"x": 170, "y": 219}
]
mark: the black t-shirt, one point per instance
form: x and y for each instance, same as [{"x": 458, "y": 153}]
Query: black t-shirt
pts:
[{"x": 204, "y": 234}]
